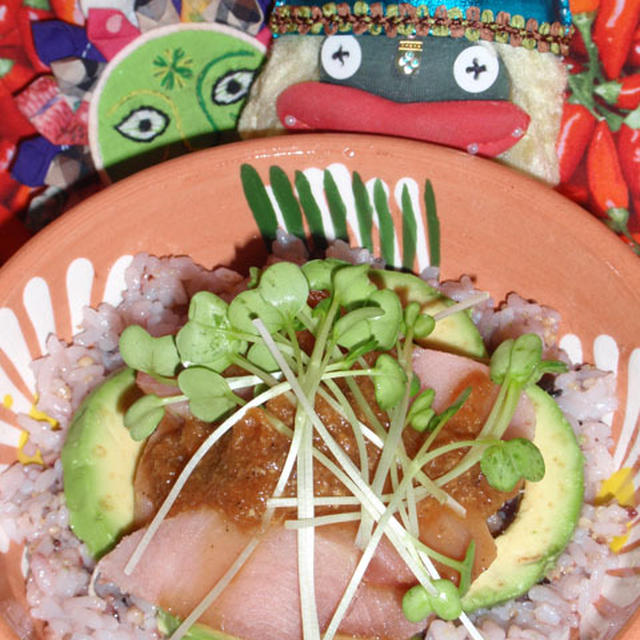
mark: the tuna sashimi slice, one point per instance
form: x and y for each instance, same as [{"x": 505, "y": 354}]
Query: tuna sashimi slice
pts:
[
  {"x": 192, "y": 550},
  {"x": 445, "y": 373}
]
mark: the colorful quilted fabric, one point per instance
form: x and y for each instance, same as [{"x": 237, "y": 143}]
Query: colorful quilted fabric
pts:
[{"x": 57, "y": 57}]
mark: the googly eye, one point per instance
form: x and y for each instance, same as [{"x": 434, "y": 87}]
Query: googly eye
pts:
[
  {"x": 476, "y": 68},
  {"x": 143, "y": 124},
  {"x": 232, "y": 86},
  {"x": 340, "y": 56}
]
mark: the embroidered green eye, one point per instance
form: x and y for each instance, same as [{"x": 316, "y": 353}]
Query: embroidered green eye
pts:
[
  {"x": 232, "y": 86},
  {"x": 143, "y": 124}
]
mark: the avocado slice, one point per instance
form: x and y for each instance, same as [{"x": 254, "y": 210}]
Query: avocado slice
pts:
[
  {"x": 99, "y": 459},
  {"x": 547, "y": 516},
  {"x": 168, "y": 623},
  {"x": 455, "y": 333}
]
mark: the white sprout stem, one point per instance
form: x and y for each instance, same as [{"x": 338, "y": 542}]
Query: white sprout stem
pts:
[
  {"x": 412, "y": 501},
  {"x": 336, "y": 501},
  {"x": 372, "y": 500},
  {"x": 319, "y": 501},
  {"x": 361, "y": 567},
  {"x": 219, "y": 587},
  {"x": 371, "y": 436},
  {"x": 467, "y": 303},
  {"x": 368, "y": 433},
  {"x": 319, "y": 521},
  {"x": 242, "y": 382},
  {"x": 209, "y": 599},
  {"x": 189, "y": 468},
  {"x": 400, "y": 539},
  {"x": 438, "y": 493},
  {"x": 393, "y": 440},
  {"x": 385, "y": 523},
  {"x": 371, "y": 547},
  {"x": 306, "y": 535},
  {"x": 355, "y": 427},
  {"x": 473, "y": 456},
  {"x": 389, "y": 453},
  {"x": 397, "y": 535},
  {"x": 306, "y": 539},
  {"x": 395, "y": 483}
]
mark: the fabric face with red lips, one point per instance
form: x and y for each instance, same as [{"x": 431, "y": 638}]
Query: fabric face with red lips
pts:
[{"x": 444, "y": 90}]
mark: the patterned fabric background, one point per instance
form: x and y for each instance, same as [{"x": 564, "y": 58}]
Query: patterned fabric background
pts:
[{"x": 52, "y": 52}]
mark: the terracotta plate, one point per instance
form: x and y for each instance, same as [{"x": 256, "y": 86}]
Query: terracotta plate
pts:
[{"x": 507, "y": 231}]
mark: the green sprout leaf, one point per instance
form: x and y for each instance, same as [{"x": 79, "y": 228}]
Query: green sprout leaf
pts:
[
  {"x": 353, "y": 328},
  {"x": 424, "y": 325},
  {"x": 209, "y": 394},
  {"x": 208, "y": 308},
  {"x": 505, "y": 462},
  {"x": 390, "y": 382},
  {"x": 143, "y": 416},
  {"x": 415, "y": 386},
  {"x": 421, "y": 414},
  {"x": 200, "y": 345},
  {"x": 551, "y": 366},
  {"x": 143, "y": 352},
  {"x": 498, "y": 468},
  {"x": 501, "y": 361},
  {"x": 322, "y": 308},
  {"x": 254, "y": 277},
  {"x": 526, "y": 356},
  {"x": 351, "y": 284},
  {"x": 358, "y": 351},
  {"x": 520, "y": 361},
  {"x": 438, "y": 421},
  {"x": 249, "y": 305},
  {"x": 207, "y": 338},
  {"x": 446, "y": 604},
  {"x": 380, "y": 319},
  {"x": 260, "y": 355},
  {"x": 285, "y": 286},
  {"x": 418, "y": 603},
  {"x": 386, "y": 327},
  {"x": 319, "y": 273},
  {"x": 411, "y": 312},
  {"x": 527, "y": 459}
]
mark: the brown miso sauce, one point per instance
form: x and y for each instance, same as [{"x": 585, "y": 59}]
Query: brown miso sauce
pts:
[{"x": 239, "y": 474}]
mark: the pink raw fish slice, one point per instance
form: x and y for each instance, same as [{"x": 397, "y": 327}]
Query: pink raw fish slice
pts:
[
  {"x": 445, "y": 371},
  {"x": 262, "y": 602}
]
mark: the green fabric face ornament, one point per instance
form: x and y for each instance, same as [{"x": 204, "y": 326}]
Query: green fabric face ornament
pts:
[{"x": 174, "y": 90}]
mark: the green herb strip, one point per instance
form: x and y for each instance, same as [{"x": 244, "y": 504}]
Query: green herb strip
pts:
[
  {"x": 364, "y": 211},
  {"x": 337, "y": 207},
  {"x": 283, "y": 193},
  {"x": 385, "y": 222},
  {"x": 259, "y": 203},
  {"x": 409, "y": 230},
  {"x": 311, "y": 210},
  {"x": 433, "y": 224}
]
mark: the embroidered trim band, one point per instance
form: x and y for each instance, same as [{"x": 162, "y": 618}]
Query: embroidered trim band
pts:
[{"x": 406, "y": 20}]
